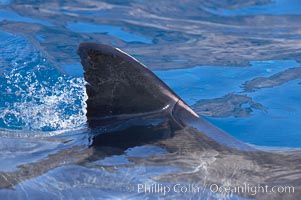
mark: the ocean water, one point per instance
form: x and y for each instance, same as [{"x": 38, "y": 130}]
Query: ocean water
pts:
[
  {"x": 274, "y": 122},
  {"x": 236, "y": 63}
]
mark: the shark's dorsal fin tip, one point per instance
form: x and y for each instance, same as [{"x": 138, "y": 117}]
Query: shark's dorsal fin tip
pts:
[{"x": 119, "y": 84}]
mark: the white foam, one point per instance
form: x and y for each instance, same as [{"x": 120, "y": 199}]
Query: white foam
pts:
[{"x": 43, "y": 105}]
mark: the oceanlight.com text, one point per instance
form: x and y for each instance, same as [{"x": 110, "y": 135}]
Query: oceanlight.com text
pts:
[{"x": 162, "y": 189}]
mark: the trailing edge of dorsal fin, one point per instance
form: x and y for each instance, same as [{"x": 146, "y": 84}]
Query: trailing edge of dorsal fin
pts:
[{"x": 120, "y": 85}]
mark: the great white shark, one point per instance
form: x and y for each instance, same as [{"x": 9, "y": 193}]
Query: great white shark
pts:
[
  {"x": 137, "y": 108},
  {"x": 129, "y": 106}
]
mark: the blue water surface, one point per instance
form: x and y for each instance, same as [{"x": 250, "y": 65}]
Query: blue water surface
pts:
[
  {"x": 12, "y": 16},
  {"x": 276, "y": 7},
  {"x": 276, "y": 126},
  {"x": 21, "y": 62},
  {"x": 43, "y": 123},
  {"x": 113, "y": 31},
  {"x": 207, "y": 82}
]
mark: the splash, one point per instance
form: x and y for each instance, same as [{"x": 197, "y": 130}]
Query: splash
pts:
[{"x": 42, "y": 99}]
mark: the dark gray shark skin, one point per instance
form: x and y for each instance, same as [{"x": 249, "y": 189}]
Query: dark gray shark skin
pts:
[
  {"x": 123, "y": 93},
  {"x": 120, "y": 87}
]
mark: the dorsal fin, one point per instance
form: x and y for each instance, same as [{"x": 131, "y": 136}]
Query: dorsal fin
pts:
[{"x": 118, "y": 84}]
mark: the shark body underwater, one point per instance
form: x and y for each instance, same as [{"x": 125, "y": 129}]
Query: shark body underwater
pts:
[{"x": 128, "y": 106}]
